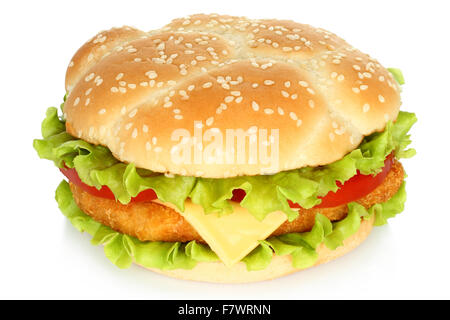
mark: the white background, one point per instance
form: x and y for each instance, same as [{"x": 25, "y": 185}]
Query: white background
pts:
[{"x": 43, "y": 256}]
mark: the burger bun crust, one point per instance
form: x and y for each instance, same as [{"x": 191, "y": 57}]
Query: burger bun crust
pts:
[{"x": 130, "y": 90}]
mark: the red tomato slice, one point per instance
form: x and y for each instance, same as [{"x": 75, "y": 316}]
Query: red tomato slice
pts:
[
  {"x": 353, "y": 189},
  {"x": 104, "y": 192}
]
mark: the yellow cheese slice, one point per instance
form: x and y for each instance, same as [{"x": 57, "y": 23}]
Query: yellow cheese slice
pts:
[{"x": 231, "y": 236}]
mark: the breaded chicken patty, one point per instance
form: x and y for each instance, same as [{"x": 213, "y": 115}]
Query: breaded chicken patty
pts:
[{"x": 150, "y": 221}]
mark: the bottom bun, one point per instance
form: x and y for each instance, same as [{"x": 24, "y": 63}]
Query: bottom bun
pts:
[{"x": 279, "y": 266}]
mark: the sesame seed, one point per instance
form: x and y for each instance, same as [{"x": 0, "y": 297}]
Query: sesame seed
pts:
[
  {"x": 151, "y": 74},
  {"x": 88, "y": 91},
  {"x": 168, "y": 104},
  {"x": 207, "y": 85},
  {"x": 148, "y": 146},
  {"x": 356, "y": 67},
  {"x": 239, "y": 99},
  {"x": 77, "y": 101},
  {"x": 119, "y": 76},
  {"x": 228, "y": 99},
  {"x": 114, "y": 89},
  {"x": 102, "y": 111},
  {"x": 311, "y": 104},
  {"x": 284, "y": 94},
  {"x": 255, "y": 106},
  {"x": 235, "y": 93},
  {"x": 381, "y": 98},
  {"x": 287, "y": 84},
  {"x": 355, "y": 90},
  {"x": 311, "y": 91},
  {"x": 268, "y": 111},
  {"x": 123, "y": 110},
  {"x": 145, "y": 128},
  {"x": 280, "y": 111},
  {"x": 363, "y": 87},
  {"x": 268, "y": 82},
  {"x": 87, "y": 101},
  {"x": 294, "y": 96},
  {"x": 304, "y": 84},
  {"x": 209, "y": 121},
  {"x": 293, "y": 116},
  {"x": 252, "y": 130},
  {"x": 132, "y": 113},
  {"x": 135, "y": 133},
  {"x": 299, "y": 122},
  {"x": 89, "y": 77},
  {"x": 366, "y": 107},
  {"x": 340, "y": 78},
  {"x": 178, "y": 117},
  {"x": 128, "y": 126}
]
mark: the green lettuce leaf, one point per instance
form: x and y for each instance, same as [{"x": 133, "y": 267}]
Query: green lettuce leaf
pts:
[
  {"x": 398, "y": 75},
  {"x": 389, "y": 209},
  {"x": 122, "y": 249},
  {"x": 302, "y": 246},
  {"x": 97, "y": 167}
]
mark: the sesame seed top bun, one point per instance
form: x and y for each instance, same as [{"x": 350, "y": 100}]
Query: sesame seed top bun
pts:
[{"x": 146, "y": 95}]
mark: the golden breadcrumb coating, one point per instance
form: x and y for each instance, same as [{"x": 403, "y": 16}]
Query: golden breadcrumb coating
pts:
[{"x": 150, "y": 221}]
